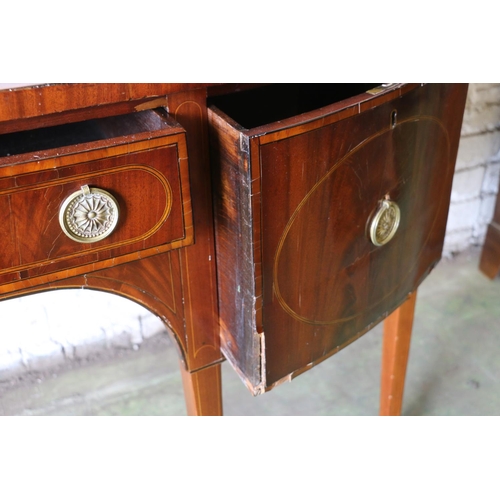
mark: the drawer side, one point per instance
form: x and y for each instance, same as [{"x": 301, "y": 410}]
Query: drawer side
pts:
[{"x": 234, "y": 223}]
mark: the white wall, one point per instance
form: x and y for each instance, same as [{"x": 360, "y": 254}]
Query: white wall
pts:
[
  {"x": 477, "y": 171},
  {"x": 48, "y": 329}
]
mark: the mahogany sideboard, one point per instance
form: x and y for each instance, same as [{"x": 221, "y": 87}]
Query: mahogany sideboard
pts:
[{"x": 269, "y": 225}]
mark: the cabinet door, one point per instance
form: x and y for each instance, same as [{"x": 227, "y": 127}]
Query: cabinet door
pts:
[{"x": 329, "y": 221}]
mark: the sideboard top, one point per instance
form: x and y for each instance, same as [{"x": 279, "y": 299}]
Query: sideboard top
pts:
[
  {"x": 27, "y": 106},
  {"x": 19, "y": 101}
]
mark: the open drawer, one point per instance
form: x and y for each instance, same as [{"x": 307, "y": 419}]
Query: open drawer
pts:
[
  {"x": 89, "y": 195},
  {"x": 331, "y": 206}
]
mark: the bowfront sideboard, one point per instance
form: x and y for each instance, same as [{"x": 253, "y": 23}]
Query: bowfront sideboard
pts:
[{"x": 269, "y": 225}]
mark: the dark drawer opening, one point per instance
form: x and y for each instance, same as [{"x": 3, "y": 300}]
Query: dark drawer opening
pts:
[
  {"x": 42, "y": 139},
  {"x": 271, "y": 103}
]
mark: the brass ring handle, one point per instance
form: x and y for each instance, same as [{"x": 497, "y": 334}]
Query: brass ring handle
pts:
[
  {"x": 89, "y": 215},
  {"x": 384, "y": 223}
]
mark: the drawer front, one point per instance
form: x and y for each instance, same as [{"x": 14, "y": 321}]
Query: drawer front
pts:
[
  {"x": 324, "y": 280},
  {"x": 149, "y": 182},
  {"x": 315, "y": 190}
]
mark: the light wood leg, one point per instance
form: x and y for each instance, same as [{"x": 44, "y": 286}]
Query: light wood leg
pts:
[
  {"x": 490, "y": 255},
  {"x": 203, "y": 391},
  {"x": 489, "y": 263},
  {"x": 395, "y": 350}
]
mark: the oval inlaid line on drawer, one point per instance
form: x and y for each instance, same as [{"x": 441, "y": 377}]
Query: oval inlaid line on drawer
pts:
[
  {"x": 138, "y": 221},
  {"x": 343, "y": 266}
]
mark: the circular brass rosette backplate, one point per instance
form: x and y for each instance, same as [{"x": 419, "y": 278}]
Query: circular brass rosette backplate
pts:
[
  {"x": 384, "y": 223},
  {"x": 89, "y": 215}
]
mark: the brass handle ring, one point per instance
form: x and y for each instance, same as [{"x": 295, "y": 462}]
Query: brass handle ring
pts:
[
  {"x": 89, "y": 215},
  {"x": 384, "y": 223}
]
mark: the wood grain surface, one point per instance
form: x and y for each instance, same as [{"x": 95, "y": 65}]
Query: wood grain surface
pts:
[
  {"x": 299, "y": 278},
  {"x": 50, "y": 104},
  {"x": 131, "y": 155}
]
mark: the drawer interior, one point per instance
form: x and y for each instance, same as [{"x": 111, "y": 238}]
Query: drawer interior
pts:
[
  {"x": 70, "y": 134},
  {"x": 271, "y": 103}
]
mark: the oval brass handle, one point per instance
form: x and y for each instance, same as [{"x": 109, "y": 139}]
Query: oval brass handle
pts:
[
  {"x": 384, "y": 223},
  {"x": 89, "y": 215}
]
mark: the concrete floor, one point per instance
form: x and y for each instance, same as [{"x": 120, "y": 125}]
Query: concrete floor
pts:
[{"x": 454, "y": 367}]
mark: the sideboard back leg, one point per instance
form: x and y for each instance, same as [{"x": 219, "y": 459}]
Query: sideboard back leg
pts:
[
  {"x": 203, "y": 390},
  {"x": 489, "y": 263},
  {"x": 490, "y": 255},
  {"x": 395, "y": 350}
]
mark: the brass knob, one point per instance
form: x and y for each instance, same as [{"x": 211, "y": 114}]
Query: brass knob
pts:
[
  {"x": 384, "y": 223},
  {"x": 89, "y": 215}
]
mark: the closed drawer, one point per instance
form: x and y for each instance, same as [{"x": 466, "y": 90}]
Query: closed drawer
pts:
[
  {"x": 89, "y": 195},
  {"x": 325, "y": 219}
]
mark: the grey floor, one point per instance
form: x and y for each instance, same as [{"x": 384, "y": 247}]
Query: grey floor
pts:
[{"x": 454, "y": 367}]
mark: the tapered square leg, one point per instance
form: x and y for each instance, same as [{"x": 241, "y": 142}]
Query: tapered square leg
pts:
[
  {"x": 203, "y": 391},
  {"x": 395, "y": 350},
  {"x": 490, "y": 255}
]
